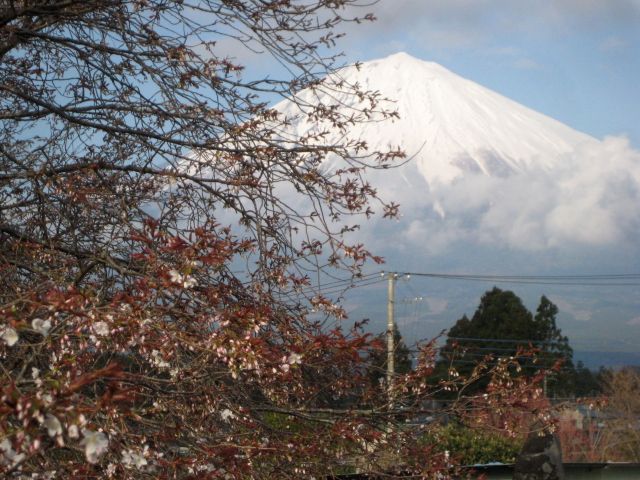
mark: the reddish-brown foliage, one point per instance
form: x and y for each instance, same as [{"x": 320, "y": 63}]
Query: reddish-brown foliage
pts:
[{"x": 159, "y": 229}]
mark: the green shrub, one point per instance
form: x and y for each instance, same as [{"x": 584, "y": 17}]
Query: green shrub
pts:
[{"x": 469, "y": 446}]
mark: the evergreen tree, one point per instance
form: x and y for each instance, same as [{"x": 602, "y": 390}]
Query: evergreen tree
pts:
[
  {"x": 554, "y": 347},
  {"x": 499, "y": 327}
]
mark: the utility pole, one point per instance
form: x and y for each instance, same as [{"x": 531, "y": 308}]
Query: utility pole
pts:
[{"x": 391, "y": 300}]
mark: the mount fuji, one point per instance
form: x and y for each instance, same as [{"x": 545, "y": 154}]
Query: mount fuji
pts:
[
  {"x": 490, "y": 187},
  {"x": 499, "y": 172},
  {"x": 451, "y": 125}
]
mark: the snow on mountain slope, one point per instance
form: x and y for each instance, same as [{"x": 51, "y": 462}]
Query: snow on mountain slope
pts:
[
  {"x": 452, "y": 125},
  {"x": 485, "y": 169}
]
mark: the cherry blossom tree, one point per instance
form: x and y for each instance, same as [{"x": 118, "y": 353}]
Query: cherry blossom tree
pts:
[
  {"x": 156, "y": 286},
  {"x": 621, "y": 439}
]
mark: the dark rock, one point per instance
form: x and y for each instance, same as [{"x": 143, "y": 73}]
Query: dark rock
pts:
[{"x": 540, "y": 459}]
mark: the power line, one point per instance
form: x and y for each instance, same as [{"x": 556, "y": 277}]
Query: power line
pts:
[
  {"x": 346, "y": 282},
  {"x": 607, "y": 280},
  {"x": 524, "y": 367},
  {"x": 587, "y": 282},
  {"x": 506, "y": 340},
  {"x": 602, "y": 280},
  {"x": 459, "y": 355},
  {"x": 625, "y": 276},
  {"x": 336, "y": 287},
  {"x": 469, "y": 349},
  {"x": 342, "y": 288}
]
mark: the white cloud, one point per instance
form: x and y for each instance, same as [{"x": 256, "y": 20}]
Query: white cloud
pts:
[
  {"x": 454, "y": 24},
  {"x": 437, "y": 305},
  {"x": 620, "y": 12},
  {"x": 526, "y": 64},
  {"x": 591, "y": 200},
  {"x": 567, "y": 12},
  {"x": 613, "y": 43},
  {"x": 447, "y": 24},
  {"x": 577, "y": 312},
  {"x": 508, "y": 51},
  {"x": 634, "y": 322}
]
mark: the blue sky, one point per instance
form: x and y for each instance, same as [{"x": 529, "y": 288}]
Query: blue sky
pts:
[{"x": 577, "y": 61}]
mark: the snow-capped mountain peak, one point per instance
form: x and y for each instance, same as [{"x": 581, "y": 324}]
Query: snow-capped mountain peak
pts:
[{"x": 453, "y": 126}]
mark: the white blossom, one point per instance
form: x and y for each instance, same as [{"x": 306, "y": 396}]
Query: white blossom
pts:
[
  {"x": 41, "y": 326},
  {"x": 227, "y": 415},
  {"x": 101, "y": 328},
  {"x": 50, "y": 475},
  {"x": 175, "y": 276},
  {"x": 95, "y": 444},
  {"x": 73, "y": 431},
  {"x": 189, "y": 282},
  {"x": 9, "y": 455},
  {"x": 53, "y": 425},
  {"x": 9, "y": 335},
  {"x": 35, "y": 372},
  {"x": 5, "y": 445},
  {"x": 158, "y": 360},
  {"x": 129, "y": 457},
  {"x": 294, "y": 358}
]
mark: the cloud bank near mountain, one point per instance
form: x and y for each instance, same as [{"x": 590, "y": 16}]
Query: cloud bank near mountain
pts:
[
  {"x": 592, "y": 200},
  {"x": 485, "y": 169}
]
